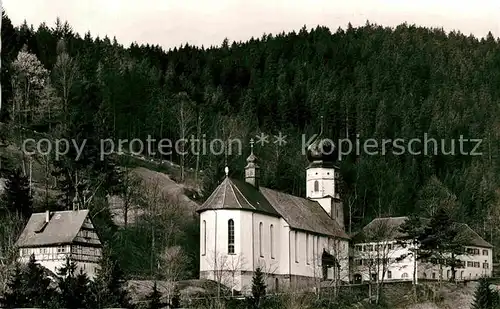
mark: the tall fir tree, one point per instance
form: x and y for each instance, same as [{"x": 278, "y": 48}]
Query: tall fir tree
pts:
[
  {"x": 36, "y": 285},
  {"x": 17, "y": 194},
  {"x": 108, "y": 287},
  {"x": 483, "y": 296},
  {"x": 442, "y": 242},
  {"x": 74, "y": 287},
  {"x": 258, "y": 288},
  {"x": 15, "y": 296}
]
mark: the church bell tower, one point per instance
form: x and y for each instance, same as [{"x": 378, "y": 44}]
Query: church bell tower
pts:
[
  {"x": 322, "y": 176},
  {"x": 252, "y": 169}
]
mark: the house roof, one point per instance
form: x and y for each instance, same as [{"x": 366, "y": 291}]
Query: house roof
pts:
[
  {"x": 380, "y": 229},
  {"x": 299, "y": 213},
  {"x": 472, "y": 237},
  {"x": 388, "y": 228},
  {"x": 62, "y": 228}
]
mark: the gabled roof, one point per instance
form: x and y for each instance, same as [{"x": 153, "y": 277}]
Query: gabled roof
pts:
[
  {"x": 388, "y": 228},
  {"x": 299, "y": 213},
  {"x": 380, "y": 229},
  {"x": 62, "y": 228},
  {"x": 473, "y": 238},
  {"x": 236, "y": 194}
]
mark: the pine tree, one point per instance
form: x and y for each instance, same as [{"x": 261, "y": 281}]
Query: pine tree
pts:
[
  {"x": 258, "y": 287},
  {"x": 108, "y": 284},
  {"x": 154, "y": 298},
  {"x": 74, "y": 288},
  {"x": 6, "y": 165},
  {"x": 483, "y": 296},
  {"x": 14, "y": 297},
  {"x": 18, "y": 197},
  {"x": 36, "y": 285},
  {"x": 442, "y": 242}
]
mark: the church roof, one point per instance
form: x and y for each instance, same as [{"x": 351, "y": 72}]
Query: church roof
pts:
[
  {"x": 299, "y": 213},
  {"x": 236, "y": 194},
  {"x": 303, "y": 214},
  {"x": 62, "y": 228}
]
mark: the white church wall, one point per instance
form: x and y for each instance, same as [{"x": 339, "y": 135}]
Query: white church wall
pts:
[
  {"x": 214, "y": 239},
  {"x": 306, "y": 254},
  {"x": 216, "y": 263},
  {"x": 267, "y": 252},
  {"x": 326, "y": 204}
]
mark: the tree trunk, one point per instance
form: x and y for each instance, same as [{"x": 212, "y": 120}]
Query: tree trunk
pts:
[
  {"x": 198, "y": 135},
  {"x": 415, "y": 275},
  {"x": 453, "y": 267}
]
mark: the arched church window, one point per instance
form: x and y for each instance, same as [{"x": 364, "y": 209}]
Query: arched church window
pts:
[
  {"x": 230, "y": 236},
  {"x": 204, "y": 233},
  {"x": 316, "y": 186},
  {"x": 260, "y": 240},
  {"x": 271, "y": 233}
]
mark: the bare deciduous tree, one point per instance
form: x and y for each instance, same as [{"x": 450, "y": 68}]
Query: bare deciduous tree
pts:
[
  {"x": 224, "y": 269},
  {"x": 172, "y": 267},
  {"x": 64, "y": 74},
  {"x": 379, "y": 253},
  {"x": 186, "y": 118},
  {"x": 11, "y": 227},
  {"x": 129, "y": 193}
]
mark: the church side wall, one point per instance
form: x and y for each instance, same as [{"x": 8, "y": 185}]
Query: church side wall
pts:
[
  {"x": 267, "y": 254},
  {"x": 306, "y": 253},
  {"x": 278, "y": 263}
]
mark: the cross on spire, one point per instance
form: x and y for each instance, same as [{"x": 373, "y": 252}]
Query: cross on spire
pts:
[
  {"x": 321, "y": 131},
  {"x": 251, "y": 145}
]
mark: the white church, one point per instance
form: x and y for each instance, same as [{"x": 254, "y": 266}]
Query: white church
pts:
[{"x": 295, "y": 241}]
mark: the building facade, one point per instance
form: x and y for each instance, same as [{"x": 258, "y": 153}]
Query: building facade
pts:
[
  {"x": 297, "y": 242},
  {"x": 377, "y": 255},
  {"x": 53, "y": 236}
]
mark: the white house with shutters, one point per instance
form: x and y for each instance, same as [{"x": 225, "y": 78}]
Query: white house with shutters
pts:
[
  {"x": 53, "y": 236},
  {"x": 295, "y": 241}
]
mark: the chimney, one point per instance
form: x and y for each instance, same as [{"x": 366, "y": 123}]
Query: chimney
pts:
[{"x": 47, "y": 216}]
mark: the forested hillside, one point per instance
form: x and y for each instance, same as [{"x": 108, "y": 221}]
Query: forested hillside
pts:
[{"x": 371, "y": 82}]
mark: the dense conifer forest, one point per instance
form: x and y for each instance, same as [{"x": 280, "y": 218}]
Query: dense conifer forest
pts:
[{"x": 367, "y": 82}]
